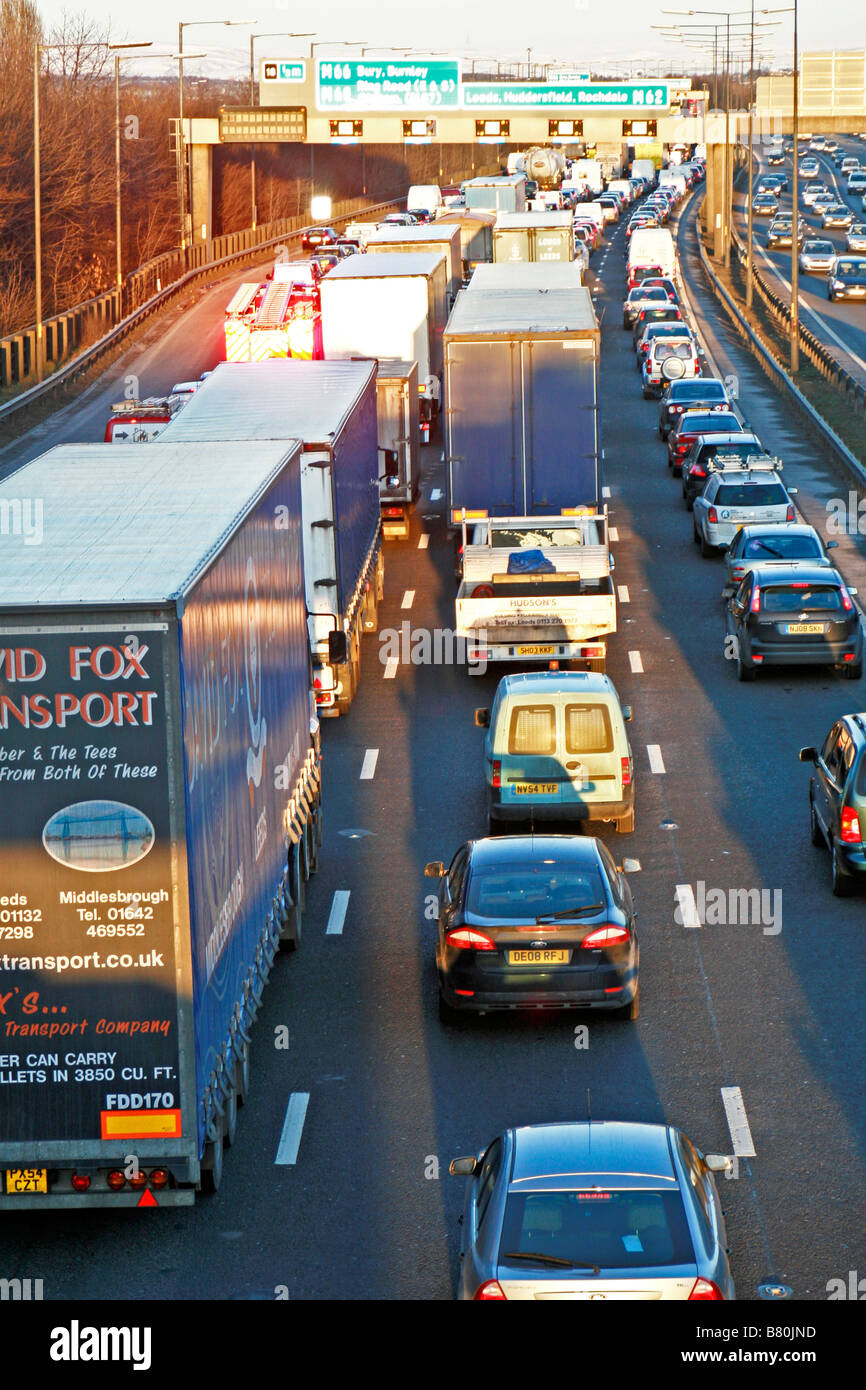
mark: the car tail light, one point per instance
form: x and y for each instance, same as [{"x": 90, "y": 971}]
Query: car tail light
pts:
[
  {"x": 789, "y": 515},
  {"x": 115, "y": 1180},
  {"x": 626, "y": 772},
  {"x": 704, "y": 1290},
  {"x": 605, "y": 936},
  {"x": 80, "y": 1182},
  {"x": 468, "y": 939},
  {"x": 392, "y": 511},
  {"x": 497, "y": 772},
  {"x": 592, "y": 651},
  {"x": 847, "y": 602},
  {"x": 684, "y": 447},
  {"x": 489, "y": 1290},
  {"x": 850, "y": 834},
  {"x": 698, "y": 472},
  {"x": 738, "y": 571},
  {"x": 677, "y": 409},
  {"x": 712, "y": 516},
  {"x": 756, "y": 599}
]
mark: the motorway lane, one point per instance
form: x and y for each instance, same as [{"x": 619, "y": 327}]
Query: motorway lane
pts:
[
  {"x": 362, "y": 1214},
  {"x": 840, "y": 325}
]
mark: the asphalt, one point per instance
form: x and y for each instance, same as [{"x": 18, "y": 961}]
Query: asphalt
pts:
[{"x": 368, "y": 1211}]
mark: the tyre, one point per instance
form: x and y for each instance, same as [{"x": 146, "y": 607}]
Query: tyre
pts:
[
  {"x": 494, "y": 827},
  {"x": 661, "y": 433},
  {"x": 242, "y": 1075},
  {"x": 632, "y": 1010},
  {"x": 625, "y": 824},
  {"x": 647, "y": 395},
  {"x": 212, "y": 1163},
  {"x": 446, "y": 1013},
  {"x": 840, "y": 880},
  {"x": 816, "y": 834},
  {"x": 707, "y": 550},
  {"x": 745, "y": 672},
  {"x": 852, "y": 672},
  {"x": 695, "y": 537},
  {"x": 231, "y": 1119}
]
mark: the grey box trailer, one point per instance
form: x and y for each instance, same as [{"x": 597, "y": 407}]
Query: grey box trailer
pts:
[
  {"x": 522, "y": 430},
  {"x": 533, "y": 236},
  {"x": 159, "y": 809},
  {"x": 432, "y": 236},
  {"x": 494, "y": 193},
  {"x": 476, "y": 235},
  {"x": 527, "y": 275}
]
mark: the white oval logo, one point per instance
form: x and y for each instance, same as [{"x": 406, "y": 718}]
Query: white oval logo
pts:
[{"x": 97, "y": 837}]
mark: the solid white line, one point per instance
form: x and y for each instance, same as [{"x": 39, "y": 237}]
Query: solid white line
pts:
[
  {"x": 391, "y": 668},
  {"x": 635, "y": 662},
  {"x": 423, "y": 540},
  {"x": 293, "y": 1128},
  {"x": 605, "y": 492},
  {"x": 436, "y": 494},
  {"x": 613, "y": 533},
  {"x": 337, "y": 915},
  {"x": 688, "y": 908},
  {"x": 368, "y": 766},
  {"x": 655, "y": 758},
  {"x": 622, "y": 593},
  {"x": 738, "y": 1123},
  {"x": 408, "y": 598}
]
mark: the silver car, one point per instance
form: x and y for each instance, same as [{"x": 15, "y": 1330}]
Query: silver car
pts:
[
  {"x": 817, "y": 255},
  {"x": 855, "y": 237},
  {"x": 791, "y": 542},
  {"x": 837, "y": 215},
  {"x": 737, "y": 497},
  {"x": 585, "y": 1211}
]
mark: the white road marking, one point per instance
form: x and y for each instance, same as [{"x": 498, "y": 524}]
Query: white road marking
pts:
[
  {"x": 738, "y": 1123},
  {"x": 368, "y": 766},
  {"x": 613, "y": 533},
  {"x": 605, "y": 492},
  {"x": 337, "y": 915},
  {"x": 436, "y": 494},
  {"x": 293, "y": 1128},
  {"x": 622, "y": 593},
  {"x": 635, "y": 662},
  {"x": 408, "y": 599},
  {"x": 391, "y": 668},
  {"x": 687, "y": 906},
  {"x": 423, "y": 540},
  {"x": 656, "y": 761}
]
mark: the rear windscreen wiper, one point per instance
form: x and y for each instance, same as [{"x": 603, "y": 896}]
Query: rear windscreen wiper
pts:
[
  {"x": 569, "y": 912},
  {"x": 549, "y": 1260}
]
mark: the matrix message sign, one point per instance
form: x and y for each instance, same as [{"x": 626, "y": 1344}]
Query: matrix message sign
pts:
[
  {"x": 415, "y": 84},
  {"x": 589, "y": 96}
]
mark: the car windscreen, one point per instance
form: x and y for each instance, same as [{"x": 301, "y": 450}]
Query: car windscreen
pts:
[
  {"x": 819, "y": 248},
  {"x": 850, "y": 273},
  {"x": 750, "y": 495},
  {"x": 782, "y": 547},
  {"x": 785, "y": 598},
  {"x": 520, "y": 889},
  {"x": 610, "y": 1228}
]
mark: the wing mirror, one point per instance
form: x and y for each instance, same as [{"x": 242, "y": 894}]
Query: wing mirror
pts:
[
  {"x": 338, "y": 647},
  {"x": 852, "y": 591},
  {"x": 629, "y": 866},
  {"x": 831, "y": 545},
  {"x": 482, "y": 719},
  {"x": 792, "y": 491},
  {"x": 808, "y": 755},
  {"x": 435, "y": 869},
  {"x": 718, "y": 1163},
  {"x": 462, "y": 1167},
  {"x": 627, "y": 713}
]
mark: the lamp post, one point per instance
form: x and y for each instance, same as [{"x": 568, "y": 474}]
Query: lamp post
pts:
[
  {"x": 181, "y": 143},
  {"x": 253, "y": 37}
]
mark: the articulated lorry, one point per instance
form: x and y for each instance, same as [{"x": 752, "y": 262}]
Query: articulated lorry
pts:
[
  {"x": 399, "y": 445},
  {"x": 432, "y": 236},
  {"x": 533, "y": 236},
  {"x": 331, "y": 408},
  {"x": 522, "y": 434},
  {"x": 160, "y": 810}
]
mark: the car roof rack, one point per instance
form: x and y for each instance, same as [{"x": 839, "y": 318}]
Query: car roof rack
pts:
[{"x": 733, "y": 463}]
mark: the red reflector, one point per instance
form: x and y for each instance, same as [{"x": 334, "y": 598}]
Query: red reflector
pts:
[
  {"x": 465, "y": 993},
  {"x": 605, "y": 936},
  {"x": 482, "y": 591},
  {"x": 789, "y": 516},
  {"x": 704, "y": 1289},
  {"x": 497, "y": 773},
  {"x": 850, "y": 826},
  {"x": 614, "y": 989},
  {"x": 80, "y": 1182},
  {"x": 488, "y": 1291},
  {"x": 469, "y": 939},
  {"x": 317, "y": 683}
]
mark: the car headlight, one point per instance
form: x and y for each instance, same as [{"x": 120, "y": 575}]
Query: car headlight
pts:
[{"x": 838, "y": 284}]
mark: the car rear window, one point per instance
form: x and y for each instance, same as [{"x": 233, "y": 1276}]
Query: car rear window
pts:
[
  {"x": 782, "y": 548},
  {"x": 588, "y": 729},
  {"x": 785, "y": 598},
  {"x": 664, "y": 350},
  {"x": 518, "y": 890},
  {"x": 532, "y": 729},
  {"x": 740, "y": 451},
  {"x": 751, "y": 495},
  {"x": 704, "y": 389},
  {"x": 611, "y": 1228},
  {"x": 710, "y": 424}
]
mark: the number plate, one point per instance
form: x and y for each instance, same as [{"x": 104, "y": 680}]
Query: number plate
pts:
[
  {"x": 539, "y": 957},
  {"x": 804, "y": 627},
  {"x": 535, "y": 788},
  {"x": 536, "y": 651},
  {"x": 27, "y": 1180}
]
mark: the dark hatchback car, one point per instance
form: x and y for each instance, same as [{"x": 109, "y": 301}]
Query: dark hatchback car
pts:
[
  {"x": 535, "y": 922},
  {"x": 805, "y": 617},
  {"x": 717, "y": 449},
  {"x": 692, "y": 423},
  {"x": 316, "y": 238},
  {"x": 837, "y": 799},
  {"x": 664, "y": 313},
  {"x": 688, "y": 395}
]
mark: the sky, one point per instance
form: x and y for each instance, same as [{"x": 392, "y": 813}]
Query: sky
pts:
[{"x": 581, "y": 32}]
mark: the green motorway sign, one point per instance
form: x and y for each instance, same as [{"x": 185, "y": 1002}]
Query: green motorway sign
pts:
[
  {"x": 410, "y": 84},
  {"x": 582, "y": 96}
]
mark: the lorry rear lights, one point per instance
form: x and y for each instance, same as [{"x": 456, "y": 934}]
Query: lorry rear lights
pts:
[
  {"x": 497, "y": 772},
  {"x": 116, "y": 1180},
  {"x": 483, "y": 591},
  {"x": 138, "y": 1180},
  {"x": 159, "y": 1177},
  {"x": 590, "y": 653},
  {"x": 850, "y": 833},
  {"x": 80, "y": 1182}
]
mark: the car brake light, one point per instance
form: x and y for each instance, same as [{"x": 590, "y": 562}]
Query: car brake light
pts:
[
  {"x": 847, "y": 602},
  {"x": 712, "y": 516},
  {"x": 789, "y": 516},
  {"x": 756, "y": 599},
  {"x": 704, "y": 1290},
  {"x": 489, "y": 1290},
  {"x": 468, "y": 939},
  {"x": 850, "y": 834},
  {"x": 698, "y": 472},
  {"x": 497, "y": 772},
  {"x": 605, "y": 936},
  {"x": 626, "y": 772}
]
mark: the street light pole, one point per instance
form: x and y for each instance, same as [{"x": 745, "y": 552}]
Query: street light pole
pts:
[
  {"x": 273, "y": 35},
  {"x": 37, "y": 211},
  {"x": 118, "y": 252},
  {"x": 749, "y": 228}
]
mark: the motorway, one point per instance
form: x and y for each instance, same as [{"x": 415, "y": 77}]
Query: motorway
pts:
[
  {"x": 775, "y": 1008},
  {"x": 840, "y": 325}
]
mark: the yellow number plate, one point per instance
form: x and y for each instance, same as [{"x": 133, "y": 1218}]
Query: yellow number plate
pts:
[
  {"x": 538, "y": 957},
  {"x": 27, "y": 1180},
  {"x": 535, "y": 788},
  {"x": 805, "y": 627},
  {"x": 536, "y": 651}
]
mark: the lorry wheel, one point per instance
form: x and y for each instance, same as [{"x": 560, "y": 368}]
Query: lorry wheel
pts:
[
  {"x": 231, "y": 1119},
  {"x": 290, "y": 937},
  {"x": 380, "y": 576},
  {"x": 242, "y": 1075},
  {"x": 212, "y": 1163}
]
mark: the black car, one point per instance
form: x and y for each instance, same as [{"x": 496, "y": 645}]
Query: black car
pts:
[
  {"x": 318, "y": 238},
  {"x": 804, "y": 616},
  {"x": 535, "y": 922},
  {"x": 665, "y": 313},
  {"x": 704, "y": 391},
  {"x": 837, "y": 798}
]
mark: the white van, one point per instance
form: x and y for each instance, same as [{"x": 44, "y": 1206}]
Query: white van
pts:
[{"x": 424, "y": 195}]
